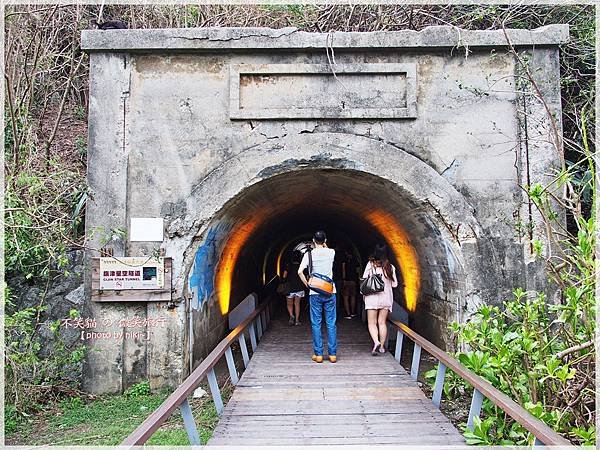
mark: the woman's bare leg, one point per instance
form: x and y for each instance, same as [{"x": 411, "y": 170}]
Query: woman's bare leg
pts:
[
  {"x": 297, "y": 308},
  {"x": 290, "y": 305},
  {"x": 372, "y": 321},
  {"x": 346, "y": 299},
  {"x": 382, "y": 324},
  {"x": 352, "y": 302}
]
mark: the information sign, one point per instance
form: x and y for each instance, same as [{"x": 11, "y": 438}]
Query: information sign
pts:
[{"x": 137, "y": 272}]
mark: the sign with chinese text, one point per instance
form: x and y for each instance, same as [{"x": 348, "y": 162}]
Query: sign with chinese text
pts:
[{"x": 137, "y": 272}]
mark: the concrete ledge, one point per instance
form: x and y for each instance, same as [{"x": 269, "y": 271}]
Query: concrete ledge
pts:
[{"x": 213, "y": 39}]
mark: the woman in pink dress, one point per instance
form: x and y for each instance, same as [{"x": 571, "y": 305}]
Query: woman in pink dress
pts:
[{"x": 379, "y": 305}]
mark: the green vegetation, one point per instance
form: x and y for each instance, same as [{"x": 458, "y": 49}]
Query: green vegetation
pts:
[
  {"x": 540, "y": 352},
  {"x": 43, "y": 218},
  {"x": 35, "y": 377},
  {"x": 108, "y": 420},
  {"x": 522, "y": 351},
  {"x": 138, "y": 390},
  {"x": 81, "y": 146}
]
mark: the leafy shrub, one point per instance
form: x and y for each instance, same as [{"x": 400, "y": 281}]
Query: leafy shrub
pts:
[
  {"x": 12, "y": 418},
  {"x": 140, "y": 389},
  {"x": 518, "y": 349}
]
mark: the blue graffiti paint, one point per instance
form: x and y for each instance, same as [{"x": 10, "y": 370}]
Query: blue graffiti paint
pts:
[{"x": 202, "y": 276}]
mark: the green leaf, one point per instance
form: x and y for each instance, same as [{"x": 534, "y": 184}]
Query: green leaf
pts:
[{"x": 511, "y": 335}]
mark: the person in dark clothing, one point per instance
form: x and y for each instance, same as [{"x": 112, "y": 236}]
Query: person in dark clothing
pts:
[
  {"x": 296, "y": 288},
  {"x": 337, "y": 274},
  {"x": 350, "y": 278}
]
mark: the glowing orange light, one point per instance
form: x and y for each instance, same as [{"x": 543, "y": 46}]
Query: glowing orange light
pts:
[
  {"x": 237, "y": 239},
  {"x": 280, "y": 255},
  {"x": 404, "y": 252},
  {"x": 264, "y": 266}
]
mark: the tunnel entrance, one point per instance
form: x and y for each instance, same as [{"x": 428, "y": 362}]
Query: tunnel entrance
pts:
[
  {"x": 242, "y": 141},
  {"x": 253, "y": 234}
]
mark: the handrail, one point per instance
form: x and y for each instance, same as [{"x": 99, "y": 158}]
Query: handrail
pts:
[
  {"x": 542, "y": 432},
  {"x": 153, "y": 422}
]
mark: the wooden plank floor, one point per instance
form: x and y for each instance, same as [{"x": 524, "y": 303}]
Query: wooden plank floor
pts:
[{"x": 284, "y": 398}]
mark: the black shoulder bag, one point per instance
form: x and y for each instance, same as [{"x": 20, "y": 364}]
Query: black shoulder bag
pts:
[{"x": 372, "y": 284}]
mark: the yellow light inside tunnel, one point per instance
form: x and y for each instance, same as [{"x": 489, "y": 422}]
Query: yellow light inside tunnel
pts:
[
  {"x": 279, "y": 256},
  {"x": 404, "y": 252},
  {"x": 281, "y": 253},
  {"x": 237, "y": 239}
]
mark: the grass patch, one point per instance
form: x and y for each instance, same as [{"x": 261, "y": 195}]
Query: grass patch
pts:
[{"x": 109, "y": 419}]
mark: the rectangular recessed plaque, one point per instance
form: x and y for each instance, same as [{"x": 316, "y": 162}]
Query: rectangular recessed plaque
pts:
[{"x": 312, "y": 91}]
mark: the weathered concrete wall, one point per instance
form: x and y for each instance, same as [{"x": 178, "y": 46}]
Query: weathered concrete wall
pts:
[{"x": 197, "y": 125}]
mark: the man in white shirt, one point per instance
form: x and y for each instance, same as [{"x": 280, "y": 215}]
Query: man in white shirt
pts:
[{"x": 322, "y": 263}]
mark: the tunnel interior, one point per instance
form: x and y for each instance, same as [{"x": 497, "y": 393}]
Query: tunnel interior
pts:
[{"x": 254, "y": 233}]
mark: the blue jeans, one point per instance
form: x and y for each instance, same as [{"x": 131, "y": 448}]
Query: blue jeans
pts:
[{"x": 318, "y": 304}]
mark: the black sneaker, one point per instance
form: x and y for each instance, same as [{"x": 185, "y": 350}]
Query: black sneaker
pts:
[{"x": 292, "y": 320}]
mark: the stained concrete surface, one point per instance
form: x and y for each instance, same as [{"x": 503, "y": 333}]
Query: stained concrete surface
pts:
[{"x": 165, "y": 141}]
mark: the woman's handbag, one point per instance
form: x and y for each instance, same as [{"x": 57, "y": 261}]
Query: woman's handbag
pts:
[
  {"x": 318, "y": 282},
  {"x": 372, "y": 284}
]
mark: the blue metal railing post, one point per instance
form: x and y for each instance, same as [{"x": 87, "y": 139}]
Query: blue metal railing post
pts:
[
  {"x": 475, "y": 409},
  {"x": 439, "y": 384},
  {"x": 259, "y": 328},
  {"x": 189, "y": 423},
  {"x": 244, "y": 349},
  {"x": 399, "y": 339},
  {"x": 414, "y": 368},
  {"x": 214, "y": 390},
  {"x": 251, "y": 331},
  {"x": 231, "y": 366}
]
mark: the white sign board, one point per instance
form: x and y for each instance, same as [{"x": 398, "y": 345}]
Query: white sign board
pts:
[
  {"x": 139, "y": 272},
  {"x": 146, "y": 229}
]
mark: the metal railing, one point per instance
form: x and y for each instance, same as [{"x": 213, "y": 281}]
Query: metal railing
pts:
[
  {"x": 544, "y": 435},
  {"x": 256, "y": 323}
]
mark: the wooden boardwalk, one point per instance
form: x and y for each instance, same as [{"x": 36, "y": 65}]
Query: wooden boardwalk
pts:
[{"x": 283, "y": 398}]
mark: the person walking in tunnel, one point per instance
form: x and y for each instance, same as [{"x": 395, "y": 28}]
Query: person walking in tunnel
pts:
[
  {"x": 337, "y": 272},
  {"x": 349, "y": 277},
  {"x": 322, "y": 295},
  {"x": 295, "y": 287},
  {"x": 379, "y": 304}
]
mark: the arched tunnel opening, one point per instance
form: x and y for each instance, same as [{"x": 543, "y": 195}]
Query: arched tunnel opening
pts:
[{"x": 247, "y": 242}]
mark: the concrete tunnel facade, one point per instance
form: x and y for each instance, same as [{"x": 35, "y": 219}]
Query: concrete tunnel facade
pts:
[{"x": 245, "y": 142}]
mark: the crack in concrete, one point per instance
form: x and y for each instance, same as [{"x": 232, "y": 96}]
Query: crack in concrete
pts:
[
  {"x": 368, "y": 136},
  {"x": 199, "y": 184},
  {"x": 284, "y": 32},
  {"x": 273, "y": 137},
  {"x": 307, "y": 131},
  {"x": 449, "y": 227},
  {"x": 449, "y": 167},
  {"x": 321, "y": 161}
]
